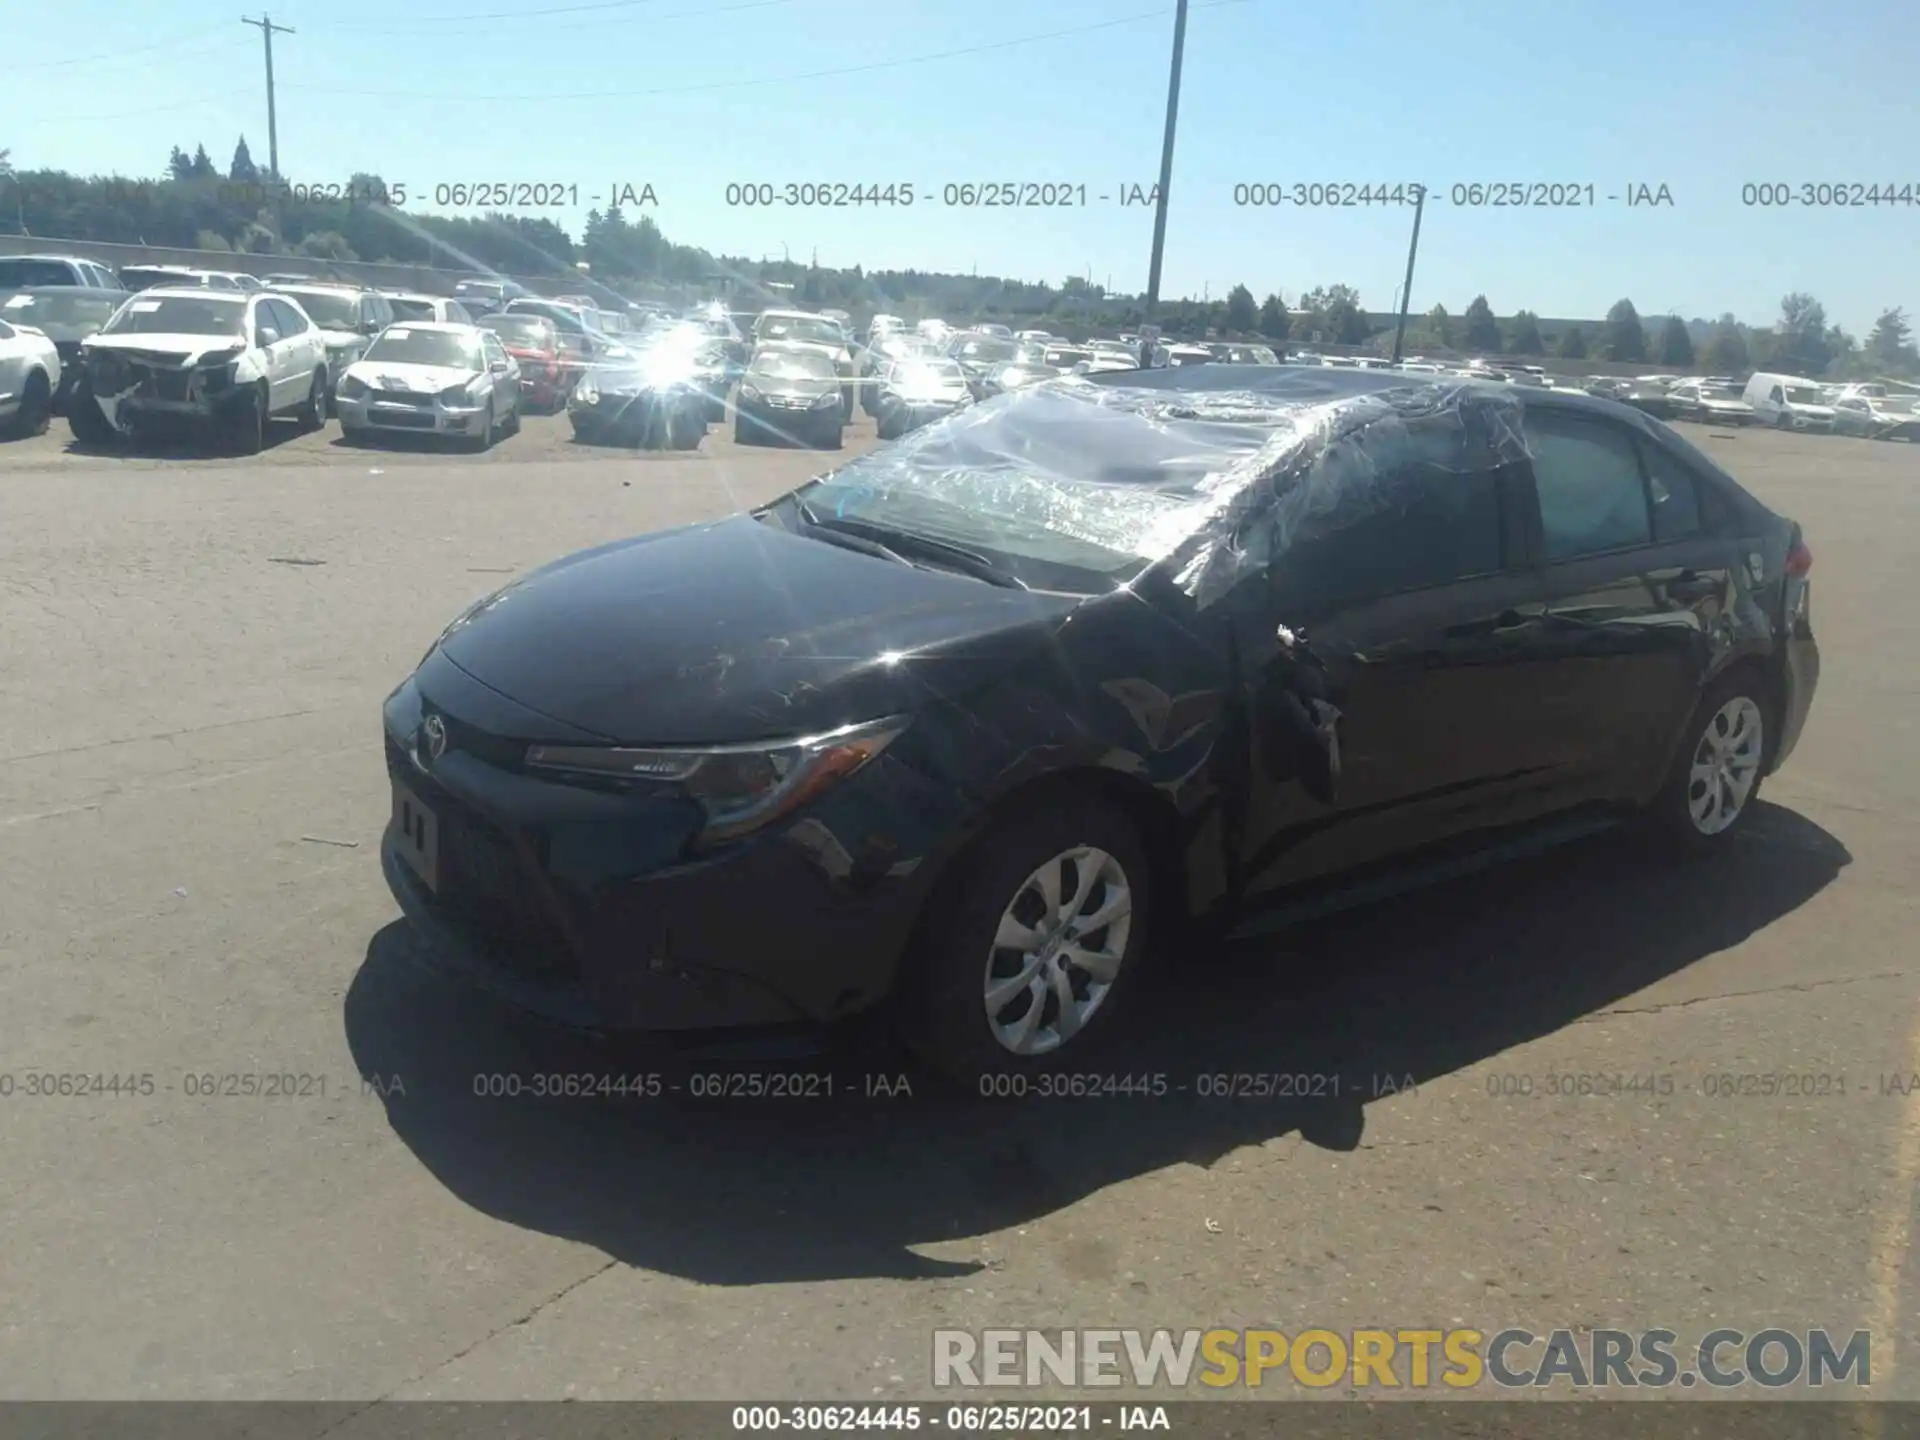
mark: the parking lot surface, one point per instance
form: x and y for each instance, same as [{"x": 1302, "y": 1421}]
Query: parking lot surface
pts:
[{"x": 191, "y": 795}]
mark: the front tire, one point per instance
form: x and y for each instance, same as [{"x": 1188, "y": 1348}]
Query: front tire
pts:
[
  {"x": 482, "y": 442},
  {"x": 247, "y": 426},
  {"x": 743, "y": 433},
  {"x": 1718, "y": 769},
  {"x": 1027, "y": 953},
  {"x": 85, "y": 418}
]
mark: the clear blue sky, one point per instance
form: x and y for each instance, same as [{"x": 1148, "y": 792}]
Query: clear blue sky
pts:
[{"x": 1699, "y": 95}]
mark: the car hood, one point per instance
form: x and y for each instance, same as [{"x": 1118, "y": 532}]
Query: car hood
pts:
[
  {"x": 739, "y": 630},
  {"x": 1814, "y": 410},
  {"x": 176, "y": 348},
  {"x": 391, "y": 375}
]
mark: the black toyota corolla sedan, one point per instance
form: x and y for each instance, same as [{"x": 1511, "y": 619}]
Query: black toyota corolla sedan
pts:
[{"x": 967, "y": 724}]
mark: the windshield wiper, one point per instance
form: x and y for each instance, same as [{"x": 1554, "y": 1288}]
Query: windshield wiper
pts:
[{"x": 906, "y": 543}]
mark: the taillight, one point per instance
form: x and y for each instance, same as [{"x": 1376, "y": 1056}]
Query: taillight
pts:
[{"x": 1799, "y": 560}]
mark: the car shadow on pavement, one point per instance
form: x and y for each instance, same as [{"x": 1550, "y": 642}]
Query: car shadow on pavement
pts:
[
  {"x": 757, "y": 1191},
  {"x": 186, "y": 446}
]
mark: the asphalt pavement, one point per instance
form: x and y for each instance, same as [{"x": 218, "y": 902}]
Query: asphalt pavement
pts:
[{"x": 313, "y": 1202}]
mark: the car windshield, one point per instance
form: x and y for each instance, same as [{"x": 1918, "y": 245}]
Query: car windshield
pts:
[
  {"x": 70, "y": 306},
  {"x": 792, "y": 365},
  {"x": 529, "y": 331},
  {"x": 141, "y": 277},
  {"x": 16, "y": 273},
  {"x": 179, "y": 315},
  {"x": 801, "y": 330},
  {"x": 406, "y": 345},
  {"x": 329, "y": 309},
  {"x": 989, "y": 351},
  {"x": 404, "y": 308}
]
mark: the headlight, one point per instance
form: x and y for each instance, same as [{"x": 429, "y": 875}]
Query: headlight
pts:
[
  {"x": 352, "y": 387},
  {"x": 462, "y": 393},
  {"x": 821, "y": 401},
  {"x": 741, "y": 787},
  {"x": 587, "y": 393},
  {"x": 748, "y": 392}
]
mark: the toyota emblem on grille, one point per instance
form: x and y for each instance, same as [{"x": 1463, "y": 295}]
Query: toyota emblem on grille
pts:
[{"x": 435, "y": 729}]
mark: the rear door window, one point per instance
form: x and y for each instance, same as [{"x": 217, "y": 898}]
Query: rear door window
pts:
[{"x": 1586, "y": 472}]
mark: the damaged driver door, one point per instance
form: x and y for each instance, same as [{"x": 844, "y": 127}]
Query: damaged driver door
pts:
[{"x": 1397, "y": 686}]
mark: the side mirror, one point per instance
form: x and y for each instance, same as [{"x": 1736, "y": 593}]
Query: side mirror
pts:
[
  {"x": 266, "y": 335},
  {"x": 498, "y": 367}
]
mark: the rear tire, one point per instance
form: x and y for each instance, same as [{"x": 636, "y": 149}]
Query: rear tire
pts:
[
  {"x": 513, "y": 421},
  {"x": 36, "y": 406},
  {"x": 744, "y": 434},
  {"x": 1720, "y": 765},
  {"x": 352, "y": 434},
  {"x": 313, "y": 414},
  {"x": 973, "y": 1006}
]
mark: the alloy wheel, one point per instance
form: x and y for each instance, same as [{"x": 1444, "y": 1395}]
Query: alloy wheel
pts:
[
  {"x": 1726, "y": 765},
  {"x": 1057, "y": 952}
]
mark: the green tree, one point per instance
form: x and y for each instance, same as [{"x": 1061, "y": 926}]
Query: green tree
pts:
[
  {"x": 243, "y": 168},
  {"x": 1483, "y": 331},
  {"x": 326, "y": 245},
  {"x": 1341, "y": 317},
  {"x": 1804, "y": 344},
  {"x": 1243, "y": 312},
  {"x": 211, "y": 240},
  {"x": 1890, "y": 342},
  {"x": 201, "y": 167},
  {"x": 1726, "y": 352},
  {"x": 180, "y": 164},
  {"x": 1274, "y": 320},
  {"x": 1440, "y": 326},
  {"x": 1621, "y": 338},
  {"x": 1573, "y": 344},
  {"x": 1523, "y": 334},
  {"x": 1676, "y": 344}
]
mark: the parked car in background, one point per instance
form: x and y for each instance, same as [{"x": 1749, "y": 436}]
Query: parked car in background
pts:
[
  {"x": 1789, "y": 402},
  {"x": 983, "y": 357},
  {"x": 1187, "y": 355},
  {"x": 1028, "y": 367},
  {"x": 790, "y": 393},
  {"x": 483, "y": 297},
  {"x": 787, "y": 328},
  {"x": 429, "y": 378},
  {"x": 348, "y": 318},
  {"x": 150, "y": 277},
  {"x": 547, "y": 373},
  {"x": 1063, "y": 359},
  {"x": 210, "y": 360},
  {"x": 1712, "y": 402},
  {"x": 408, "y": 306},
  {"x": 66, "y": 315},
  {"x": 27, "y": 272},
  {"x": 651, "y": 399},
  {"x": 994, "y": 741},
  {"x": 1877, "y": 417},
  {"x": 918, "y": 391},
  {"x": 1231, "y": 354},
  {"x": 29, "y": 378},
  {"x": 1647, "y": 398}
]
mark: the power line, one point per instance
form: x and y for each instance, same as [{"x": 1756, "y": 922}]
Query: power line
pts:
[
  {"x": 500, "y": 14},
  {"x": 411, "y": 28},
  {"x": 784, "y": 79},
  {"x": 122, "y": 54}
]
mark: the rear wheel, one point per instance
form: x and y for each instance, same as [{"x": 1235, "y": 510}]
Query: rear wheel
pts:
[
  {"x": 36, "y": 405},
  {"x": 1717, "y": 772},
  {"x": 513, "y": 420},
  {"x": 1031, "y": 947},
  {"x": 313, "y": 414}
]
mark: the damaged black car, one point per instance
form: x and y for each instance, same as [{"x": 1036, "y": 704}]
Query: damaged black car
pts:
[
  {"x": 656, "y": 398},
  {"x": 971, "y": 726}
]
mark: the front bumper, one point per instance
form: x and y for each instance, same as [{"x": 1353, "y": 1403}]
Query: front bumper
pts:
[
  {"x": 797, "y": 420},
  {"x": 413, "y": 414},
  {"x": 913, "y": 416},
  {"x": 134, "y": 395},
  {"x": 588, "y": 908},
  {"x": 632, "y": 417}
]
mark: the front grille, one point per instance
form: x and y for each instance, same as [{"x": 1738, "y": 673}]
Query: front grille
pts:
[
  {"x": 487, "y": 891},
  {"x": 403, "y": 397},
  {"x": 405, "y": 419}
]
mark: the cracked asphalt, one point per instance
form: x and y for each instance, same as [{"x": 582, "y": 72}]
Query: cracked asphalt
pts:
[{"x": 191, "y": 793}]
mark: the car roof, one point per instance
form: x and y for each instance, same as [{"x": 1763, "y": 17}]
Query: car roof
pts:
[
  {"x": 452, "y": 327},
  {"x": 329, "y": 287},
  {"x": 193, "y": 292}
]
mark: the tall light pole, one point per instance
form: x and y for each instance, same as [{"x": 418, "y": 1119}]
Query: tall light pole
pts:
[
  {"x": 1406, "y": 286},
  {"x": 267, "y": 32},
  {"x": 1166, "y": 163}
]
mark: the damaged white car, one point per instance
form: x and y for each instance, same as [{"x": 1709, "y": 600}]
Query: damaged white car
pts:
[{"x": 204, "y": 360}]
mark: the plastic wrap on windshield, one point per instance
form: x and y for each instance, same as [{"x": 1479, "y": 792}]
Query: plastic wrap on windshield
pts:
[{"x": 1219, "y": 482}]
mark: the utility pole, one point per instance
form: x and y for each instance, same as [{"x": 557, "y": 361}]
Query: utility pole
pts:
[
  {"x": 267, "y": 31},
  {"x": 1166, "y": 166},
  {"x": 1406, "y": 288}
]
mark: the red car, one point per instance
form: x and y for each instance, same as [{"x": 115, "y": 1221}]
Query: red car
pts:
[{"x": 547, "y": 374}]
